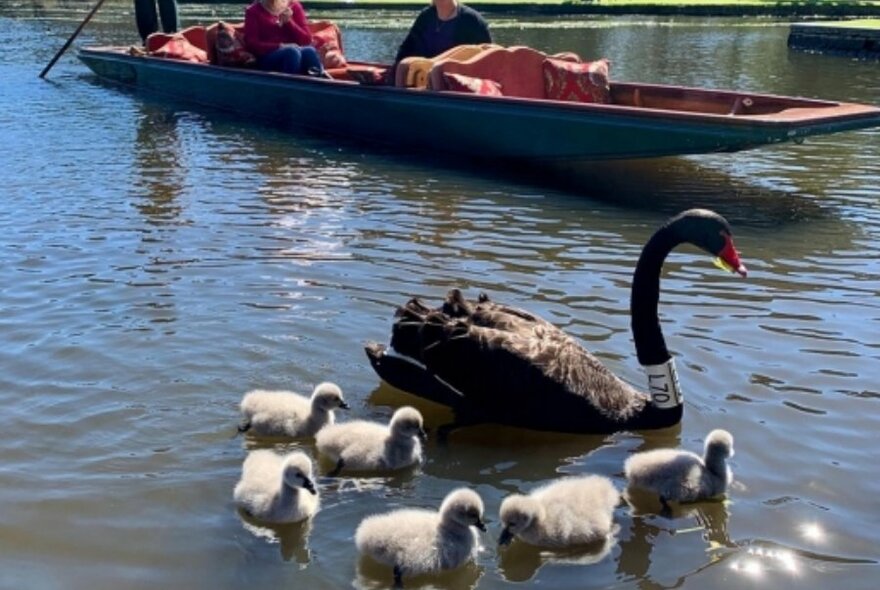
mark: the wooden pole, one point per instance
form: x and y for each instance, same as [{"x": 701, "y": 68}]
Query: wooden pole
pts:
[{"x": 72, "y": 37}]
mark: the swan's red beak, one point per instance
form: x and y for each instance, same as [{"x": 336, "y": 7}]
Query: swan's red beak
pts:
[{"x": 728, "y": 258}]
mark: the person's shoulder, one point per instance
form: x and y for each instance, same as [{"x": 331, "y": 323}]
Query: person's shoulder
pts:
[
  {"x": 253, "y": 7},
  {"x": 464, "y": 9},
  {"x": 427, "y": 11}
]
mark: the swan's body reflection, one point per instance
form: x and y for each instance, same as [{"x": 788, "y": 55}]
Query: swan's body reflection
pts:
[
  {"x": 292, "y": 539},
  {"x": 374, "y": 575},
  {"x": 520, "y": 561},
  {"x": 708, "y": 519}
]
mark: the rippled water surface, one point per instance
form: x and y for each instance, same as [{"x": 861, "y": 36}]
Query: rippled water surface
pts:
[{"x": 157, "y": 261}]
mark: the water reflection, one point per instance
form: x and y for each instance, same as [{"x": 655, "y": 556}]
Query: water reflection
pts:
[
  {"x": 373, "y": 575},
  {"x": 709, "y": 520},
  {"x": 671, "y": 185},
  {"x": 158, "y": 153},
  {"x": 482, "y": 452},
  {"x": 520, "y": 562},
  {"x": 292, "y": 538}
]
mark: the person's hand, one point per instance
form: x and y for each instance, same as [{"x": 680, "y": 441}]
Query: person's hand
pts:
[{"x": 285, "y": 15}]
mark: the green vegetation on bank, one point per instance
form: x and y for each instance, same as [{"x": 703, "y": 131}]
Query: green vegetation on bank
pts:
[
  {"x": 732, "y": 3},
  {"x": 820, "y": 5},
  {"x": 782, "y": 8},
  {"x": 861, "y": 23}
]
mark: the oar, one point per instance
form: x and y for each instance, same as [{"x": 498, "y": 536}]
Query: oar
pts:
[{"x": 72, "y": 37}]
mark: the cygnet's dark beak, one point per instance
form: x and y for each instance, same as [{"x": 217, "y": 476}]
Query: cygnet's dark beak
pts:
[
  {"x": 310, "y": 486},
  {"x": 422, "y": 434},
  {"x": 480, "y": 524},
  {"x": 344, "y": 406},
  {"x": 506, "y": 537}
]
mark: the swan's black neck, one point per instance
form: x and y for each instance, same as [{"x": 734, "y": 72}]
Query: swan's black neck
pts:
[{"x": 645, "y": 296}]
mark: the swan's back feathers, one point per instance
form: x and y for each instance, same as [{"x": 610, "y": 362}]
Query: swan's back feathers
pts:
[
  {"x": 421, "y": 541},
  {"x": 369, "y": 446},
  {"x": 333, "y": 439},
  {"x": 573, "y": 511},
  {"x": 286, "y": 413},
  {"x": 481, "y": 348},
  {"x": 275, "y": 412},
  {"x": 404, "y": 538},
  {"x": 675, "y": 475}
]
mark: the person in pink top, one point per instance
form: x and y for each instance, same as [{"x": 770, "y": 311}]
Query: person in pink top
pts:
[{"x": 277, "y": 33}]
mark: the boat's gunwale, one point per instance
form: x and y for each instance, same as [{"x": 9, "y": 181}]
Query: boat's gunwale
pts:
[{"x": 794, "y": 118}]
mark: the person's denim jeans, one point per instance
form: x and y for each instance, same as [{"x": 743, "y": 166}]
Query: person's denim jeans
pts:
[{"x": 291, "y": 60}]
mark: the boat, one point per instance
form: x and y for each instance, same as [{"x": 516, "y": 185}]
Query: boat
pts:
[{"x": 637, "y": 121}]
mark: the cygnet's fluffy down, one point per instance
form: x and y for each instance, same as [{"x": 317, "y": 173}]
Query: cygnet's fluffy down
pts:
[
  {"x": 681, "y": 475},
  {"x": 367, "y": 446},
  {"x": 285, "y": 413},
  {"x": 415, "y": 541},
  {"x": 571, "y": 511},
  {"x": 276, "y": 488}
]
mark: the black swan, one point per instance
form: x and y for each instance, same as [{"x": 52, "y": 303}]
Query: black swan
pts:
[{"x": 494, "y": 363}]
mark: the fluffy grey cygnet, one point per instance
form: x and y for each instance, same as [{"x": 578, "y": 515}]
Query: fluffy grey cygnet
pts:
[
  {"x": 276, "y": 488},
  {"x": 683, "y": 476},
  {"x": 415, "y": 541},
  {"x": 368, "y": 446},
  {"x": 571, "y": 511},
  {"x": 285, "y": 413}
]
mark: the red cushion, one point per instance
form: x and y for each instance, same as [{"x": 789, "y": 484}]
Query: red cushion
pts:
[
  {"x": 178, "y": 47},
  {"x": 578, "y": 82},
  {"x": 462, "y": 83},
  {"x": 328, "y": 41},
  {"x": 229, "y": 47}
]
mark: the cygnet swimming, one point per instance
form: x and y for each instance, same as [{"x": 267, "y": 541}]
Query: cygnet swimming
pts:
[
  {"x": 415, "y": 541},
  {"x": 368, "y": 446},
  {"x": 683, "y": 476},
  {"x": 276, "y": 488},
  {"x": 285, "y": 413},
  {"x": 571, "y": 511}
]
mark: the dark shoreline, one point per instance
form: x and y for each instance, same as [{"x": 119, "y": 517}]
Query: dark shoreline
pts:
[{"x": 798, "y": 10}]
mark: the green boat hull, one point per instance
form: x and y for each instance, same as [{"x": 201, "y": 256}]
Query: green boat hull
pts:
[{"x": 493, "y": 127}]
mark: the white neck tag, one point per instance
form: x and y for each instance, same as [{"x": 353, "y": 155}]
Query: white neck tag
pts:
[{"x": 663, "y": 385}]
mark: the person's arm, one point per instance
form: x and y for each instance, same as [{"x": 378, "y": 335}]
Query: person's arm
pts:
[
  {"x": 412, "y": 43},
  {"x": 297, "y": 26},
  {"x": 255, "y": 21}
]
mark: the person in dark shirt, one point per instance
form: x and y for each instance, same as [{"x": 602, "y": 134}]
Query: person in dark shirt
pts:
[
  {"x": 147, "y": 18},
  {"x": 441, "y": 26}
]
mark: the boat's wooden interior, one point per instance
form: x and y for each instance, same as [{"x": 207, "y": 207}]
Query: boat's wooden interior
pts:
[{"x": 717, "y": 102}]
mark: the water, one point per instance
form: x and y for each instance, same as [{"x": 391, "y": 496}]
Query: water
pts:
[{"x": 158, "y": 261}]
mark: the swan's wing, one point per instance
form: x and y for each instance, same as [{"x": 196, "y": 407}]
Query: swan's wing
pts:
[{"x": 509, "y": 363}]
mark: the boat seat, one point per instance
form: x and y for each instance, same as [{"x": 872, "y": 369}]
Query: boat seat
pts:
[
  {"x": 524, "y": 72},
  {"x": 327, "y": 40},
  {"x": 188, "y": 45},
  {"x": 194, "y": 34},
  {"x": 517, "y": 69},
  {"x": 412, "y": 72}
]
